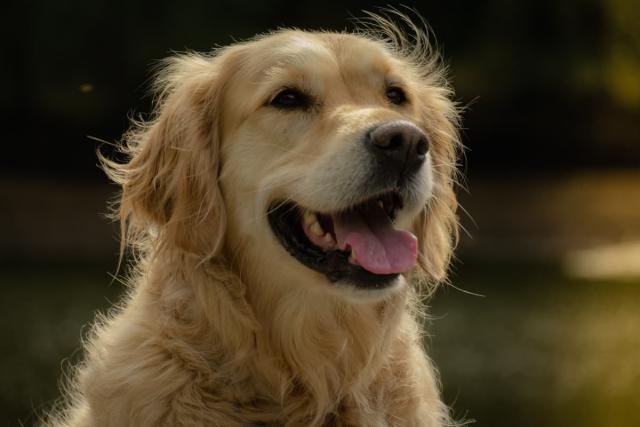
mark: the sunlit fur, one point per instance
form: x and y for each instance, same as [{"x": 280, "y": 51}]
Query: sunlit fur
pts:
[{"x": 220, "y": 326}]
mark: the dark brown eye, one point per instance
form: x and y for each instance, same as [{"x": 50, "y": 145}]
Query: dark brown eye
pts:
[
  {"x": 396, "y": 95},
  {"x": 289, "y": 99}
]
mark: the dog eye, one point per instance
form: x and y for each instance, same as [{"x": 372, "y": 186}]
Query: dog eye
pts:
[
  {"x": 290, "y": 99},
  {"x": 396, "y": 95}
]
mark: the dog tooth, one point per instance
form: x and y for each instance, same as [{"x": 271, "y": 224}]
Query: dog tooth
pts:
[
  {"x": 316, "y": 229},
  {"x": 380, "y": 203},
  {"x": 309, "y": 217},
  {"x": 328, "y": 239}
]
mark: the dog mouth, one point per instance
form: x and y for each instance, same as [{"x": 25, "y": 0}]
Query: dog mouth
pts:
[{"x": 359, "y": 245}]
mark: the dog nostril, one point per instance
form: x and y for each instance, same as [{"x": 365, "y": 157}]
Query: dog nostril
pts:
[
  {"x": 396, "y": 141},
  {"x": 399, "y": 146},
  {"x": 389, "y": 142},
  {"x": 422, "y": 147}
]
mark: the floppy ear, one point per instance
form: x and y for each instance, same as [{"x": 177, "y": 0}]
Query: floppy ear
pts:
[
  {"x": 437, "y": 225},
  {"x": 170, "y": 193}
]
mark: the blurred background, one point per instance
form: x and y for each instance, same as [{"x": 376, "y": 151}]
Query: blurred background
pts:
[{"x": 542, "y": 324}]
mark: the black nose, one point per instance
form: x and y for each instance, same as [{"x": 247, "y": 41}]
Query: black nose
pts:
[{"x": 400, "y": 146}]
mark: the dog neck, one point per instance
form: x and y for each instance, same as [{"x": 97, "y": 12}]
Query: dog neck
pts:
[{"x": 324, "y": 348}]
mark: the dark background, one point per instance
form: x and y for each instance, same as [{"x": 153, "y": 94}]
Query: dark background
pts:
[
  {"x": 551, "y": 91},
  {"x": 550, "y": 85}
]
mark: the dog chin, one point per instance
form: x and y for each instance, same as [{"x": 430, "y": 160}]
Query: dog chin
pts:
[{"x": 358, "y": 295}]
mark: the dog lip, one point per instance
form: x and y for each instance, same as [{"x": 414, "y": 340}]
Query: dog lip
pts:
[
  {"x": 392, "y": 197},
  {"x": 285, "y": 221}
]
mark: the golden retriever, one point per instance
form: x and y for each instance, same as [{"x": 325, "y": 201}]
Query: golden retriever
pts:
[{"x": 287, "y": 204}]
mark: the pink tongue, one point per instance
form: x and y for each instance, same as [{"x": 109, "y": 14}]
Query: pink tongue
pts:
[{"x": 379, "y": 248}]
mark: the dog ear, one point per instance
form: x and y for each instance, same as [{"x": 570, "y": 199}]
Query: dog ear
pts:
[
  {"x": 170, "y": 193},
  {"x": 437, "y": 225}
]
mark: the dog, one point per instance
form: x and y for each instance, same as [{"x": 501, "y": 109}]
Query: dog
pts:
[{"x": 288, "y": 204}]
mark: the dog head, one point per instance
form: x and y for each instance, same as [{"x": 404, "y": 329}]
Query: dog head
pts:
[{"x": 323, "y": 160}]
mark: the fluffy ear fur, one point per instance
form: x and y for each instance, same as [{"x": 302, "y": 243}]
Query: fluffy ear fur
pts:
[
  {"x": 170, "y": 194},
  {"x": 437, "y": 226}
]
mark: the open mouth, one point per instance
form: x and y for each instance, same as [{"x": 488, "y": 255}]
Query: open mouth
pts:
[{"x": 359, "y": 245}]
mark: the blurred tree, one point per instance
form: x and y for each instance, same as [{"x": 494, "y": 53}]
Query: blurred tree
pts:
[{"x": 622, "y": 59}]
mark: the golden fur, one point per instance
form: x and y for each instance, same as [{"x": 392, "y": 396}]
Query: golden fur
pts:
[{"x": 220, "y": 326}]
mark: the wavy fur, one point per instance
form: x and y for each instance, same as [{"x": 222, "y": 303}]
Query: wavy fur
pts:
[{"x": 206, "y": 335}]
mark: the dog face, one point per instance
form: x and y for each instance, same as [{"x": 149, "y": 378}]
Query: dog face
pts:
[{"x": 319, "y": 160}]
